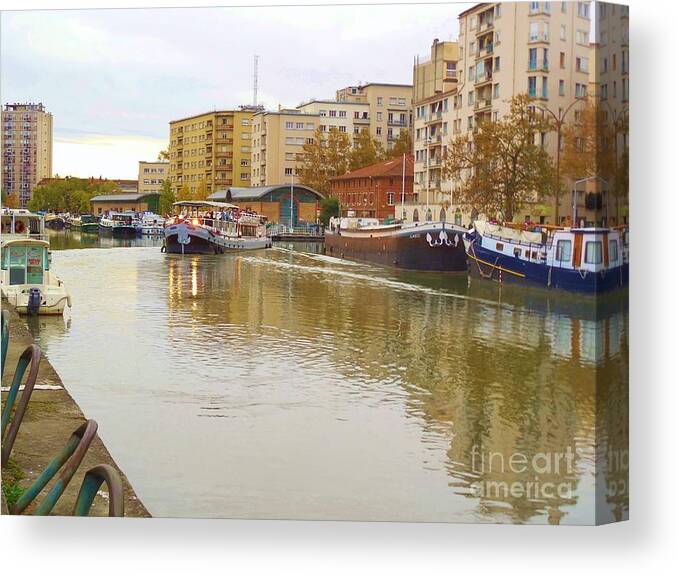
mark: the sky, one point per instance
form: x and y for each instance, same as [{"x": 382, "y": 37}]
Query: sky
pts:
[{"x": 113, "y": 79}]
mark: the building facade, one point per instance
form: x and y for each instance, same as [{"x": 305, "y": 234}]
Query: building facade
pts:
[
  {"x": 26, "y": 149},
  {"x": 349, "y": 118},
  {"x": 211, "y": 150},
  {"x": 374, "y": 191},
  {"x": 278, "y": 140},
  {"x": 435, "y": 84},
  {"x": 125, "y": 202},
  {"x": 390, "y": 108},
  {"x": 281, "y": 204},
  {"x": 152, "y": 175}
]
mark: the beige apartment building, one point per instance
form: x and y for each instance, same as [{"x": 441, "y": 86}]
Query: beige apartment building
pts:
[
  {"x": 348, "y": 117},
  {"x": 278, "y": 140},
  {"x": 151, "y": 176},
  {"x": 26, "y": 149},
  {"x": 506, "y": 49},
  {"x": 214, "y": 148},
  {"x": 390, "y": 108},
  {"x": 435, "y": 84}
]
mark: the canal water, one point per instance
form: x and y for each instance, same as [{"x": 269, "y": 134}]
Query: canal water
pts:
[{"x": 284, "y": 383}]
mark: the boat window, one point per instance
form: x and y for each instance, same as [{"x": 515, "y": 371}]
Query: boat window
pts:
[
  {"x": 415, "y": 215},
  {"x": 500, "y": 247},
  {"x": 564, "y": 250},
  {"x": 614, "y": 250},
  {"x": 516, "y": 252},
  {"x": 594, "y": 252},
  {"x": 17, "y": 265},
  {"x": 442, "y": 214},
  {"x": 34, "y": 265},
  {"x": 457, "y": 217},
  {"x": 429, "y": 215}
]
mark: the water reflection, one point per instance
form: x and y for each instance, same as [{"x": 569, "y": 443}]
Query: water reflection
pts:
[{"x": 284, "y": 383}]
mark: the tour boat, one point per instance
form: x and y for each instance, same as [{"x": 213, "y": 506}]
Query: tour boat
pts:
[
  {"x": 205, "y": 227},
  {"x": 585, "y": 260},
  {"x": 419, "y": 246},
  {"x": 26, "y": 278},
  {"x": 152, "y": 224},
  {"x": 121, "y": 225}
]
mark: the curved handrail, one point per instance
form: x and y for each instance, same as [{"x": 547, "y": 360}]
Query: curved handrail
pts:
[
  {"x": 90, "y": 485},
  {"x": 31, "y": 355},
  {"x": 69, "y": 459},
  {"x": 5, "y": 339}
]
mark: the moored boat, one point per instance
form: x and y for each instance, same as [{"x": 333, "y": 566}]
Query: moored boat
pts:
[
  {"x": 152, "y": 224},
  {"x": 584, "y": 260},
  {"x": 417, "y": 246},
  {"x": 27, "y": 281},
  {"x": 204, "y": 227},
  {"x": 89, "y": 224},
  {"x": 55, "y": 222},
  {"x": 122, "y": 225}
]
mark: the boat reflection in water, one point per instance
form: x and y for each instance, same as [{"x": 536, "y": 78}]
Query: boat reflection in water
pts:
[{"x": 358, "y": 392}]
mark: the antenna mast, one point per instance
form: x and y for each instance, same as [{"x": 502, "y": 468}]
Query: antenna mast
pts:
[{"x": 255, "y": 80}]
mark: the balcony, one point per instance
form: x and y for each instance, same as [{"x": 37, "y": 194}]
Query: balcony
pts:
[
  {"x": 541, "y": 66},
  {"x": 435, "y": 117},
  {"x": 486, "y": 50},
  {"x": 485, "y": 26},
  {"x": 541, "y": 37},
  {"x": 484, "y": 79},
  {"x": 397, "y": 123},
  {"x": 482, "y": 104},
  {"x": 361, "y": 120},
  {"x": 434, "y": 140}
]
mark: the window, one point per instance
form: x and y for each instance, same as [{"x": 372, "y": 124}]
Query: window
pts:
[
  {"x": 378, "y": 130},
  {"x": 582, "y": 64},
  {"x": 380, "y": 101},
  {"x": 583, "y": 9},
  {"x": 390, "y": 198},
  {"x": 563, "y": 7},
  {"x": 563, "y": 250},
  {"x": 495, "y": 91},
  {"x": 289, "y": 125},
  {"x": 544, "y": 87},
  {"x": 342, "y": 113},
  {"x": 580, "y": 91},
  {"x": 300, "y": 125},
  {"x": 497, "y": 64},
  {"x": 532, "y": 86},
  {"x": 562, "y": 31},
  {"x": 333, "y": 113},
  {"x": 534, "y": 31},
  {"x": 594, "y": 252},
  {"x": 534, "y": 7},
  {"x": 532, "y": 59},
  {"x": 582, "y": 37},
  {"x": 613, "y": 250},
  {"x": 288, "y": 171},
  {"x": 561, "y": 87}
]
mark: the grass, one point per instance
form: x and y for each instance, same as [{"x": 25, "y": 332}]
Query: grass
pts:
[{"x": 11, "y": 476}]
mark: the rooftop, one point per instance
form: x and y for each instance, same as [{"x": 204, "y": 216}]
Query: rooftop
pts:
[
  {"x": 124, "y": 197},
  {"x": 388, "y": 168}
]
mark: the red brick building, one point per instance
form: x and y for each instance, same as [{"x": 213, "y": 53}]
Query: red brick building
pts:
[{"x": 374, "y": 191}]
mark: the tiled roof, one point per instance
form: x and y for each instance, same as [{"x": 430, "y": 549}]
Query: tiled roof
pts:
[{"x": 392, "y": 167}]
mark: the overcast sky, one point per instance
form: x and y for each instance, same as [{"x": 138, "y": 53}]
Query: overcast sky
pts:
[{"x": 113, "y": 79}]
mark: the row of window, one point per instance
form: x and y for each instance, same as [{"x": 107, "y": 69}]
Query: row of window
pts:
[{"x": 593, "y": 251}]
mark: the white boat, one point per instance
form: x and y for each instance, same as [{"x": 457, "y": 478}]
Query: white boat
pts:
[
  {"x": 205, "y": 227},
  {"x": 26, "y": 279},
  {"x": 152, "y": 224},
  {"x": 121, "y": 225}
]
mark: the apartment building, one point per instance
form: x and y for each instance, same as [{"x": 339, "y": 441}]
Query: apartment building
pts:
[
  {"x": 435, "y": 84},
  {"x": 278, "y": 140},
  {"x": 151, "y": 176},
  {"x": 26, "y": 149},
  {"x": 610, "y": 86},
  {"x": 347, "y": 117},
  {"x": 537, "y": 48},
  {"x": 390, "y": 108},
  {"x": 214, "y": 148}
]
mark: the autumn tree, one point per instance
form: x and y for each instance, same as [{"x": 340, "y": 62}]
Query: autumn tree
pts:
[
  {"x": 163, "y": 155},
  {"x": 184, "y": 193},
  {"x": 312, "y": 171},
  {"x": 366, "y": 151},
  {"x": 201, "y": 191},
  {"x": 9, "y": 200},
  {"x": 499, "y": 167},
  {"x": 401, "y": 145},
  {"x": 337, "y": 153},
  {"x": 167, "y": 198}
]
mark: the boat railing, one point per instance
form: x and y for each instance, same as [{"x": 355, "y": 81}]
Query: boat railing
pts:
[
  {"x": 311, "y": 230},
  {"x": 14, "y": 236}
]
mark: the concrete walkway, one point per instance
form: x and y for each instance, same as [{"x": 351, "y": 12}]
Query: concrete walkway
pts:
[{"x": 50, "y": 419}]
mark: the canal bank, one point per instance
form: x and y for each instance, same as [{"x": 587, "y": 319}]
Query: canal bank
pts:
[{"x": 51, "y": 417}]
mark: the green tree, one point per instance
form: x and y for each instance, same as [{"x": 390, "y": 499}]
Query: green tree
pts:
[
  {"x": 201, "y": 191},
  {"x": 167, "y": 198},
  {"x": 401, "y": 145},
  {"x": 329, "y": 207},
  {"x": 69, "y": 194},
  {"x": 184, "y": 193},
  {"x": 366, "y": 151},
  {"x": 499, "y": 168},
  {"x": 337, "y": 153},
  {"x": 163, "y": 155}
]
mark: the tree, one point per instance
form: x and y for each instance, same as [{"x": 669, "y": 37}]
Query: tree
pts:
[
  {"x": 163, "y": 155},
  {"x": 366, "y": 151},
  {"x": 69, "y": 194},
  {"x": 329, "y": 208},
  {"x": 9, "y": 200},
  {"x": 313, "y": 169},
  {"x": 167, "y": 198},
  {"x": 337, "y": 153},
  {"x": 402, "y": 145},
  {"x": 184, "y": 193},
  {"x": 499, "y": 168},
  {"x": 201, "y": 191}
]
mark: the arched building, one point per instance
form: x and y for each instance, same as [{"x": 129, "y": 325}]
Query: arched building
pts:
[{"x": 276, "y": 202}]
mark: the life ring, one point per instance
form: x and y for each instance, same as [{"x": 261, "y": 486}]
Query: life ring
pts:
[{"x": 19, "y": 227}]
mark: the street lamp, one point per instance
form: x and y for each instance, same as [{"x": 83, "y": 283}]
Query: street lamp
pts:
[{"x": 559, "y": 122}]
